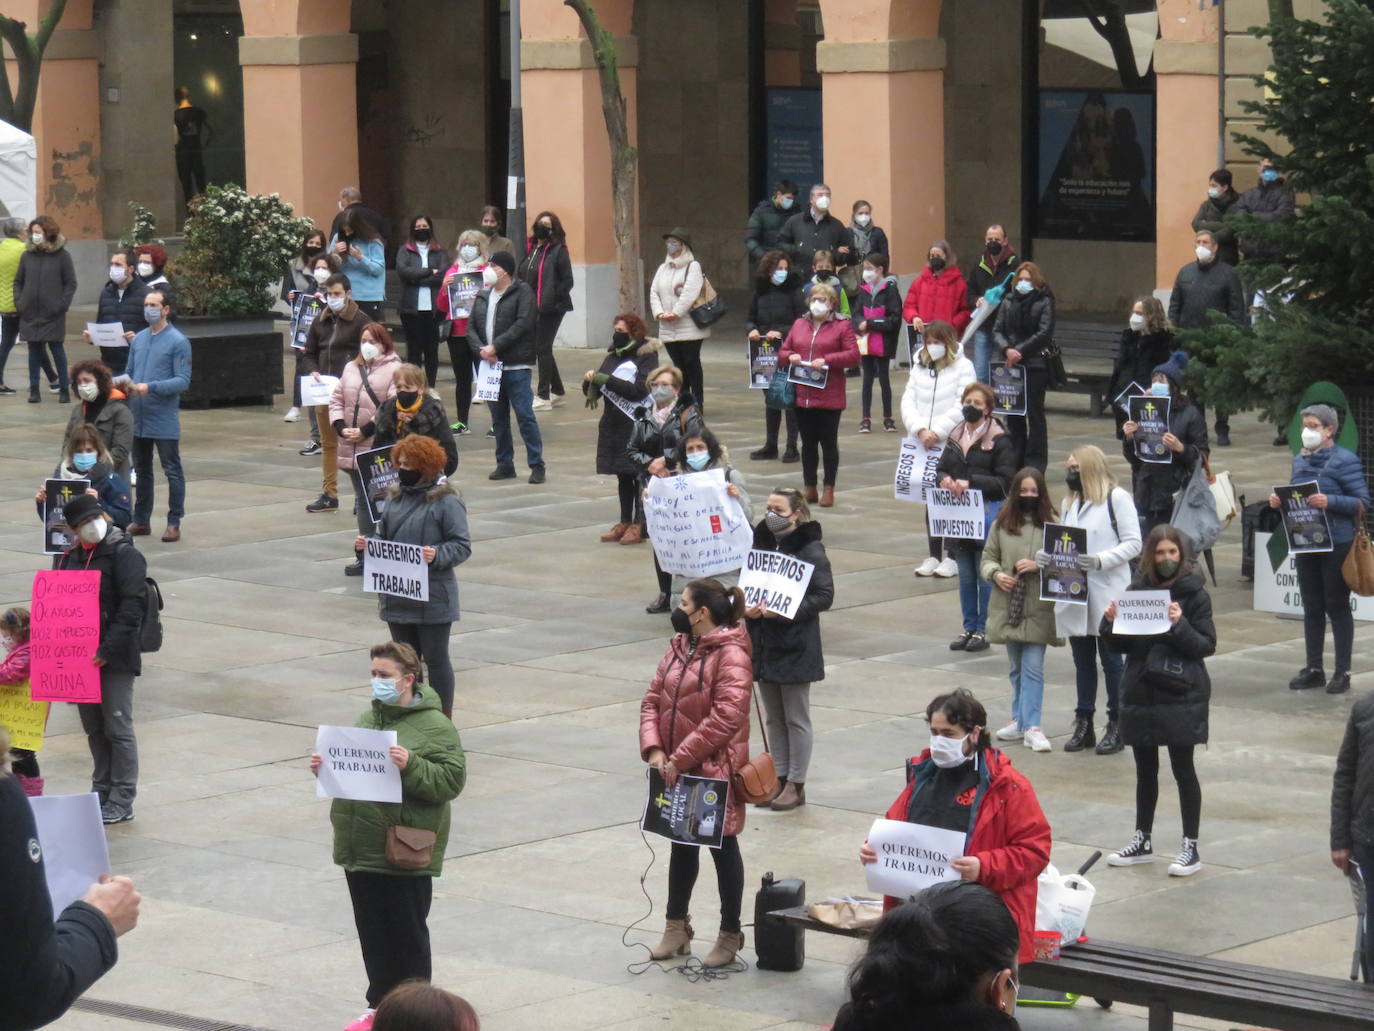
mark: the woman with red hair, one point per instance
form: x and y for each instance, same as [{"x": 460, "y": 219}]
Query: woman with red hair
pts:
[
  {"x": 423, "y": 508},
  {"x": 151, "y": 260}
]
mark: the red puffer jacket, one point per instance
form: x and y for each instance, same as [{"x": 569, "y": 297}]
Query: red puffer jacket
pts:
[
  {"x": 1010, "y": 837},
  {"x": 834, "y": 341},
  {"x": 942, "y": 298},
  {"x": 697, "y": 708}
]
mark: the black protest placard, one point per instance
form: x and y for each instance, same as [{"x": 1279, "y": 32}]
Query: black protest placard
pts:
[
  {"x": 1151, "y": 417},
  {"x": 304, "y": 310},
  {"x": 1308, "y": 528},
  {"x": 763, "y": 361},
  {"x": 1009, "y": 384},
  {"x": 57, "y": 536},
  {"x": 377, "y": 473},
  {"x": 1063, "y": 580},
  {"x": 461, "y": 290},
  {"x": 804, "y": 375},
  {"x": 692, "y": 811}
]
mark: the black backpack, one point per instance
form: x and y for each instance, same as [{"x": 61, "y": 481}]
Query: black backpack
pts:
[{"x": 150, "y": 633}]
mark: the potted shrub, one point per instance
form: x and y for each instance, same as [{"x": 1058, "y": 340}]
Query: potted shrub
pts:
[{"x": 236, "y": 245}]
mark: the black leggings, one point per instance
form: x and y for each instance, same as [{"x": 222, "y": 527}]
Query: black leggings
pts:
[
  {"x": 1147, "y": 788},
  {"x": 876, "y": 368},
  {"x": 1029, "y": 432},
  {"x": 430, "y": 641},
  {"x": 686, "y": 355},
  {"x": 683, "y": 866},
  {"x": 422, "y": 342},
  {"x": 460, "y": 357},
  {"x": 629, "y": 498},
  {"x": 545, "y": 330},
  {"x": 772, "y": 423},
  {"x": 819, "y": 428},
  {"x": 1326, "y": 596}
]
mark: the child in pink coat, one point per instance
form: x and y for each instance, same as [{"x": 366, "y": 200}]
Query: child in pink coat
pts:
[{"x": 14, "y": 670}]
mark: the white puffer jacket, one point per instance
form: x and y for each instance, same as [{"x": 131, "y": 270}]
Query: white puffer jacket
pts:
[
  {"x": 934, "y": 398},
  {"x": 1114, "y": 547},
  {"x": 675, "y": 288}
]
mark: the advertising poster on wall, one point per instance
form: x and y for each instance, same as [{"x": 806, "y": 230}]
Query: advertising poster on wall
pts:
[{"x": 794, "y": 138}]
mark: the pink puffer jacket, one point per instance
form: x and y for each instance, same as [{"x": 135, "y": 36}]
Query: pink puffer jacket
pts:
[
  {"x": 697, "y": 708},
  {"x": 355, "y": 406}
]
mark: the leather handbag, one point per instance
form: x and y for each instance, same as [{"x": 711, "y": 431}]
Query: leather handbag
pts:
[
  {"x": 409, "y": 848},
  {"x": 709, "y": 306},
  {"x": 781, "y": 394},
  {"x": 1358, "y": 567},
  {"x": 756, "y": 780}
]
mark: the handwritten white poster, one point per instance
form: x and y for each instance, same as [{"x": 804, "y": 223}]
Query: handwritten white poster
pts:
[
  {"x": 960, "y": 516},
  {"x": 1142, "y": 613},
  {"x": 696, "y": 527},
  {"x": 486, "y": 381},
  {"x": 911, "y": 856},
  {"x": 916, "y": 465},
  {"x": 357, "y": 765},
  {"x": 776, "y": 581}
]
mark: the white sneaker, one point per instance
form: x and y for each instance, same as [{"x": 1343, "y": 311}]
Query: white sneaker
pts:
[
  {"x": 555, "y": 400},
  {"x": 1011, "y": 732},
  {"x": 928, "y": 567},
  {"x": 947, "y": 568},
  {"x": 133, "y": 477},
  {"x": 542, "y": 405},
  {"x": 1036, "y": 741},
  {"x": 294, "y": 415}
]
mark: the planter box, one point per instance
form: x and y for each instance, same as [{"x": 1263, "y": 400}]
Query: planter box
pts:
[{"x": 233, "y": 360}]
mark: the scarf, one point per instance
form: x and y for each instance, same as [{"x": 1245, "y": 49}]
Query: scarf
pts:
[
  {"x": 404, "y": 414},
  {"x": 861, "y": 240}
]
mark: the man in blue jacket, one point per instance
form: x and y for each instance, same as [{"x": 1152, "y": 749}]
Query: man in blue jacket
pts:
[{"x": 159, "y": 371}]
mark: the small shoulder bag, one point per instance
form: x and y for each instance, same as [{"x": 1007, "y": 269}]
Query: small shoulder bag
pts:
[{"x": 756, "y": 780}]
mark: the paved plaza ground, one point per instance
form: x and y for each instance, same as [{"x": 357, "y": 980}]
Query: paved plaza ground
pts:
[{"x": 246, "y": 920}]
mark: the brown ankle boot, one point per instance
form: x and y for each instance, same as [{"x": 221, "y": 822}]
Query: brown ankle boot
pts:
[
  {"x": 827, "y": 497},
  {"x": 677, "y": 940},
  {"x": 792, "y": 796},
  {"x": 614, "y": 533},
  {"x": 767, "y": 803},
  {"x": 723, "y": 952},
  {"x": 633, "y": 534},
  {"x": 809, "y": 493}
]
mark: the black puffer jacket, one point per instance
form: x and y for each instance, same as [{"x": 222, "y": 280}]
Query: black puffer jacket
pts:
[
  {"x": 123, "y": 590},
  {"x": 1153, "y": 483},
  {"x": 1025, "y": 322},
  {"x": 1157, "y": 711},
  {"x": 1136, "y": 360},
  {"x": 988, "y": 466},
  {"x": 774, "y": 308},
  {"x": 126, "y": 310},
  {"x": 788, "y": 651},
  {"x": 430, "y": 421},
  {"x": 1352, "y": 789},
  {"x": 514, "y": 326},
  {"x": 613, "y": 431},
  {"x": 649, "y": 440},
  {"x": 1210, "y": 218}
]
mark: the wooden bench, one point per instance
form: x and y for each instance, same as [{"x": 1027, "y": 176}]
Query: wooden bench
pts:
[
  {"x": 1089, "y": 350},
  {"x": 1169, "y": 982}
]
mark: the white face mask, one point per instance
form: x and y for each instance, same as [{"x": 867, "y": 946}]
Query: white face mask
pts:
[
  {"x": 870, "y": 275},
  {"x": 1311, "y": 438},
  {"x": 145, "y": 269},
  {"x": 468, "y": 253},
  {"x": 93, "y": 531},
  {"x": 936, "y": 351},
  {"x": 1204, "y": 254},
  {"x": 823, "y": 203},
  {"x": 948, "y": 752},
  {"x": 87, "y": 391},
  {"x": 1137, "y": 321},
  {"x": 117, "y": 273},
  {"x": 489, "y": 276},
  {"x": 819, "y": 309},
  {"x": 320, "y": 274},
  {"x": 37, "y": 237},
  {"x": 370, "y": 351},
  {"x": 7, "y": 643},
  {"x": 336, "y": 303},
  {"x": 1024, "y": 286},
  {"x": 1214, "y": 192},
  {"x": 861, "y": 220}
]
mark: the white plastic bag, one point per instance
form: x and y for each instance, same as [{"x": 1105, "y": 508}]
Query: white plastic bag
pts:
[
  {"x": 1062, "y": 902},
  {"x": 1047, "y": 892}
]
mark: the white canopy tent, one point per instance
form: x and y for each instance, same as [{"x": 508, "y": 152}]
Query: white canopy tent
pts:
[{"x": 18, "y": 172}]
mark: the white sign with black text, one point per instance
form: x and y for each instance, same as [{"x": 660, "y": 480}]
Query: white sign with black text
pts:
[
  {"x": 392, "y": 567},
  {"x": 356, "y": 764},
  {"x": 916, "y": 465},
  {"x": 486, "y": 381},
  {"x": 775, "y": 581},
  {"x": 1142, "y": 613},
  {"x": 958, "y": 516}
]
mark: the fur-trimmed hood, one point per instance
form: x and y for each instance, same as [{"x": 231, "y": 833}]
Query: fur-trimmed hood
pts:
[
  {"x": 47, "y": 246},
  {"x": 649, "y": 345},
  {"x": 434, "y": 492}
]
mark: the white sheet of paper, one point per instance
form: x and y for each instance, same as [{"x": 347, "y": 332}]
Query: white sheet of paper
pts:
[
  {"x": 73, "y": 842},
  {"x": 357, "y": 765},
  {"x": 1143, "y": 613},
  {"x": 486, "y": 381},
  {"x": 107, "y": 334},
  {"x": 313, "y": 393},
  {"x": 911, "y": 856}
]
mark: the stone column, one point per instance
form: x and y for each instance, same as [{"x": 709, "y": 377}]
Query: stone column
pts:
[
  {"x": 567, "y": 157},
  {"x": 886, "y": 60},
  {"x": 300, "y": 117}
]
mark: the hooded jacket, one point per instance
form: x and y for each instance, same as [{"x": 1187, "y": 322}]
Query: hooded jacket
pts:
[
  {"x": 933, "y": 398},
  {"x": 941, "y": 297},
  {"x": 434, "y": 776},
  {"x": 334, "y": 339},
  {"x": 697, "y": 708},
  {"x": 675, "y": 288},
  {"x": 1157, "y": 712},
  {"x": 1008, "y": 834},
  {"x": 123, "y": 593},
  {"x": 351, "y": 406},
  {"x": 43, "y": 290},
  {"x": 637, "y": 360},
  {"x": 1000, "y": 555},
  {"x": 649, "y": 439},
  {"x": 788, "y": 651},
  {"x": 115, "y": 422},
  {"x": 884, "y": 330},
  {"x": 430, "y": 421},
  {"x": 431, "y": 515},
  {"x": 834, "y": 341},
  {"x": 1114, "y": 537}
]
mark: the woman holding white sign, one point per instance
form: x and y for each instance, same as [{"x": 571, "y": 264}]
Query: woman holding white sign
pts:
[
  {"x": 979, "y": 455},
  {"x": 1342, "y": 494},
  {"x": 1096, "y": 504},
  {"x": 422, "y": 510},
  {"x": 787, "y": 652},
  {"x": 704, "y": 452},
  {"x": 694, "y": 719},
  {"x": 1165, "y": 693},
  {"x": 391, "y": 852}
]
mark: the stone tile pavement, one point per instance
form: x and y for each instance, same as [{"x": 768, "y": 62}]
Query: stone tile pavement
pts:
[{"x": 246, "y": 920}]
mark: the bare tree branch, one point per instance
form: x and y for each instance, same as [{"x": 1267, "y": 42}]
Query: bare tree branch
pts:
[
  {"x": 1108, "y": 19},
  {"x": 16, "y": 107}
]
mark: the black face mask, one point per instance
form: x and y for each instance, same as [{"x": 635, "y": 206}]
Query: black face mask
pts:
[
  {"x": 682, "y": 622},
  {"x": 972, "y": 415},
  {"x": 406, "y": 398},
  {"x": 937, "y": 264},
  {"x": 1028, "y": 505},
  {"x": 619, "y": 340},
  {"x": 994, "y": 247},
  {"x": 422, "y": 236},
  {"x": 310, "y": 252},
  {"x": 408, "y": 477},
  {"x": 542, "y": 232},
  {"x": 489, "y": 230},
  {"x": 824, "y": 275},
  {"x": 1074, "y": 481}
]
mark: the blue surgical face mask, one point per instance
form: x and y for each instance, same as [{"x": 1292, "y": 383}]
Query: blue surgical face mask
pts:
[
  {"x": 152, "y": 315},
  {"x": 779, "y": 276},
  {"x": 698, "y": 460},
  {"x": 84, "y": 461},
  {"x": 1024, "y": 286},
  {"x": 1159, "y": 389},
  {"x": 385, "y": 691},
  {"x": 786, "y": 203},
  {"x": 1269, "y": 175}
]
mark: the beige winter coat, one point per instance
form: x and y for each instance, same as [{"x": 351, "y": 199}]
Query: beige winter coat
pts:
[{"x": 675, "y": 288}]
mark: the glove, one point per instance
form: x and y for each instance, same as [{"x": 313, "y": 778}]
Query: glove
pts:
[
  {"x": 1042, "y": 559},
  {"x": 1089, "y": 562},
  {"x": 593, "y": 400}
]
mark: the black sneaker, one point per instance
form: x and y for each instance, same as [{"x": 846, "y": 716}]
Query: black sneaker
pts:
[
  {"x": 492, "y": 433},
  {"x": 1223, "y": 437},
  {"x": 313, "y": 448},
  {"x": 502, "y": 472},
  {"x": 63, "y": 397},
  {"x": 460, "y": 429},
  {"x": 6, "y": 390},
  {"x": 977, "y": 643},
  {"x": 111, "y": 812},
  {"x": 1339, "y": 683},
  {"x": 1138, "y": 851},
  {"x": 960, "y": 643},
  {"x": 1083, "y": 735},
  {"x": 1187, "y": 862},
  {"x": 34, "y": 396},
  {"x": 791, "y": 455},
  {"x": 1111, "y": 740},
  {"x": 537, "y": 474},
  {"x": 1281, "y": 441},
  {"x": 763, "y": 454},
  {"x": 1308, "y": 677},
  {"x": 53, "y": 388},
  {"x": 324, "y": 503},
  {"x": 354, "y": 568}
]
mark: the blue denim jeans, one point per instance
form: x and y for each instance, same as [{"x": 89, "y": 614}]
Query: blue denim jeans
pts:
[
  {"x": 516, "y": 393},
  {"x": 982, "y": 352},
  {"x": 974, "y": 591},
  {"x": 169, "y": 454},
  {"x": 1086, "y": 651},
  {"x": 1027, "y": 675}
]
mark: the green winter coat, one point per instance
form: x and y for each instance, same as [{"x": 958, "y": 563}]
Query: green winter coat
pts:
[
  {"x": 433, "y": 777},
  {"x": 1000, "y": 555}
]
